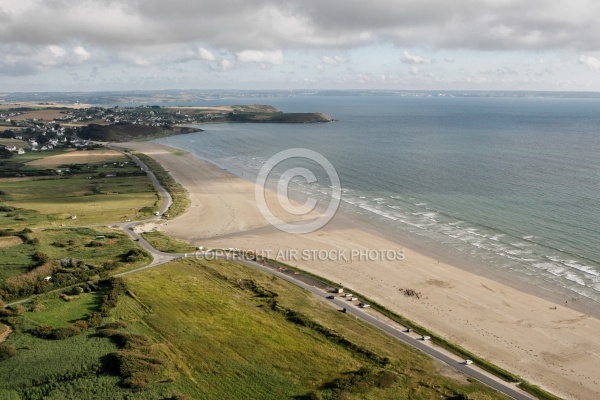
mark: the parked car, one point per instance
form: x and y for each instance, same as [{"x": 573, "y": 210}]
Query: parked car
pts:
[
  {"x": 468, "y": 362},
  {"x": 426, "y": 338},
  {"x": 363, "y": 305}
]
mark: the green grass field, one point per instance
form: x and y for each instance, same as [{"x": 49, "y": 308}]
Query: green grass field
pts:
[
  {"x": 53, "y": 202},
  {"x": 58, "y": 312},
  {"x": 230, "y": 343},
  {"x": 59, "y": 243},
  {"x": 15, "y": 260},
  {"x": 165, "y": 243},
  {"x": 75, "y": 243},
  {"x": 213, "y": 330},
  {"x": 99, "y": 192}
]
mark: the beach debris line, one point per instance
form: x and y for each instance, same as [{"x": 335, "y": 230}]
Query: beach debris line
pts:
[{"x": 411, "y": 293}]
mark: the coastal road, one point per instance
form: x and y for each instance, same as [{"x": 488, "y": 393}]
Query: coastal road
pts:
[{"x": 425, "y": 346}]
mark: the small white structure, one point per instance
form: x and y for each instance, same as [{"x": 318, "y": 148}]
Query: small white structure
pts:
[{"x": 47, "y": 279}]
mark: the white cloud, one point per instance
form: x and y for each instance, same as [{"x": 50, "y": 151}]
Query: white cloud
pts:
[
  {"x": 591, "y": 62},
  {"x": 335, "y": 60},
  {"x": 81, "y": 53},
  {"x": 226, "y": 64},
  {"x": 408, "y": 58},
  {"x": 266, "y": 57},
  {"x": 205, "y": 54},
  {"x": 56, "y": 51}
]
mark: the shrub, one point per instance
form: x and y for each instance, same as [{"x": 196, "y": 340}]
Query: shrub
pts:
[
  {"x": 110, "y": 265},
  {"x": 36, "y": 307},
  {"x": 7, "y": 351},
  {"x": 40, "y": 258},
  {"x": 65, "y": 332},
  {"x": 137, "y": 370},
  {"x": 94, "y": 318},
  {"x": 115, "y": 325},
  {"x": 134, "y": 255}
]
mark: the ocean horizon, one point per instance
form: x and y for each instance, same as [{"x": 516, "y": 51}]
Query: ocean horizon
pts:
[{"x": 510, "y": 183}]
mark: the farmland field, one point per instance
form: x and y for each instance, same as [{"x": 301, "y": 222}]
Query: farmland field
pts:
[{"x": 100, "y": 192}]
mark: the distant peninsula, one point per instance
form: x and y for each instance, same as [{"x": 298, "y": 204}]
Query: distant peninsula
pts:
[{"x": 119, "y": 124}]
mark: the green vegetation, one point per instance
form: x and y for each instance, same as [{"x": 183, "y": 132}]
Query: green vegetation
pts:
[
  {"x": 81, "y": 244},
  {"x": 243, "y": 333},
  {"x": 55, "y": 311},
  {"x": 181, "y": 200},
  {"x": 123, "y": 132},
  {"x": 75, "y": 194},
  {"x": 167, "y": 244},
  {"x": 73, "y": 360},
  {"x": 68, "y": 256},
  {"x": 209, "y": 329},
  {"x": 278, "y": 117}
]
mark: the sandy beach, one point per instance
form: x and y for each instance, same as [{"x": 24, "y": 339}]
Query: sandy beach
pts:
[{"x": 545, "y": 342}]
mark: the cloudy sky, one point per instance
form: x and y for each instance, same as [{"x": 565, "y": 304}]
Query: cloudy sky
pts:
[{"x": 66, "y": 45}]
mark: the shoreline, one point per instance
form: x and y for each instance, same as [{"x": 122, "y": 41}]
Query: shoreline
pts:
[
  {"x": 556, "y": 349},
  {"x": 428, "y": 247}
]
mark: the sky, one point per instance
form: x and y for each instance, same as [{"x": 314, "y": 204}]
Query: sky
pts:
[{"x": 94, "y": 45}]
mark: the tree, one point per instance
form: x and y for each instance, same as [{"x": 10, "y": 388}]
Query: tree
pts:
[
  {"x": 7, "y": 134},
  {"x": 4, "y": 153}
]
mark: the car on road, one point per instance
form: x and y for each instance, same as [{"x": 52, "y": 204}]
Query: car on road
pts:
[
  {"x": 426, "y": 338},
  {"x": 331, "y": 297},
  {"x": 468, "y": 362},
  {"x": 363, "y": 305}
]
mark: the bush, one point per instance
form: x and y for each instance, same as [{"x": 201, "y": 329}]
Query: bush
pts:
[
  {"x": 134, "y": 255},
  {"x": 110, "y": 265},
  {"x": 137, "y": 370},
  {"x": 7, "y": 351},
  {"x": 40, "y": 258}
]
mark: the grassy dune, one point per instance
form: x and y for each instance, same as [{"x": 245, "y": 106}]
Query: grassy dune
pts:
[
  {"x": 167, "y": 244},
  {"x": 216, "y": 330},
  {"x": 231, "y": 343}
]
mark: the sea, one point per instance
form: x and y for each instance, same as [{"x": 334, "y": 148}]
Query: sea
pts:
[{"x": 509, "y": 182}]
